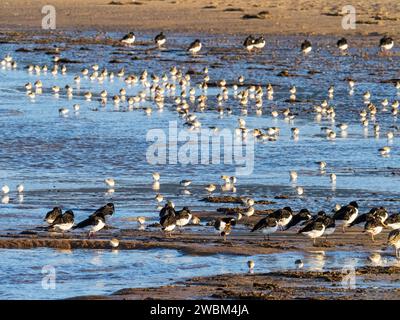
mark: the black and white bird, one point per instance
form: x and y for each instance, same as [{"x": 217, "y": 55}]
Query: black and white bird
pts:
[
  {"x": 374, "y": 227},
  {"x": 63, "y": 223},
  {"x": 379, "y": 213},
  {"x": 342, "y": 44},
  {"x": 393, "y": 221},
  {"x": 386, "y": 43},
  {"x": 394, "y": 240},
  {"x": 249, "y": 43},
  {"x": 329, "y": 223},
  {"x": 259, "y": 43},
  {"x": 313, "y": 230},
  {"x": 106, "y": 210},
  {"x": 52, "y": 215},
  {"x": 303, "y": 215},
  {"x": 306, "y": 47},
  {"x": 195, "y": 46},
  {"x": 168, "y": 221},
  {"x": 128, "y": 39},
  {"x": 96, "y": 223},
  {"x": 282, "y": 216},
  {"x": 97, "y": 220},
  {"x": 347, "y": 214},
  {"x": 167, "y": 209},
  {"x": 224, "y": 226},
  {"x": 267, "y": 226},
  {"x": 160, "y": 39},
  {"x": 183, "y": 217}
]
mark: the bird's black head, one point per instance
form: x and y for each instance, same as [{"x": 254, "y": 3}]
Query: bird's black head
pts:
[
  {"x": 321, "y": 213},
  {"x": 233, "y": 222},
  {"x": 185, "y": 208},
  {"x": 305, "y": 214},
  {"x": 288, "y": 209},
  {"x": 110, "y": 205},
  {"x": 354, "y": 204},
  {"x": 70, "y": 213}
]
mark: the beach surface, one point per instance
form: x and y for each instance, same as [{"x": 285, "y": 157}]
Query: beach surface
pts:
[
  {"x": 372, "y": 279},
  {"x": 287, "y": 17}
]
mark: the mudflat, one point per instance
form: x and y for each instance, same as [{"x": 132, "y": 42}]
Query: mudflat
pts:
[{"x": 287, "y": 17}]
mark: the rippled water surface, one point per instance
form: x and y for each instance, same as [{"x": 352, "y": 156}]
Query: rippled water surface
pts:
[
  {"x": 63, "y": 160},
  {"x": 99, "y": 272}
]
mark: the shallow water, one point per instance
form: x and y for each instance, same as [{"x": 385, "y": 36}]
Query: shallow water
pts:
[
  {"x": 99, "y": 272},
  {"x": 64, "y": 160}
]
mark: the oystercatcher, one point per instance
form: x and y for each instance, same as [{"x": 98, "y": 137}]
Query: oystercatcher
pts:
[
  {"x": 282, "y": 216},
  {"x": 313, "y": 230},
  {"x": 342, "y": 44},
  {"x": 52, "y": 215},
  {"x": 183, "y": 217},
  {"x": 347, "y": 214},
  {"x": 128, "y": 39},
  {"x": 266, "y": 225},
  {"x": 63, "y": 222},
  {"x": 303, "y": 215},
  {"x": 195, "y": 46},
  {"x": 167, "y": 209},
  {"x": 160, "y": 39},
  {"x": 386, "y": 43},
  {"x": 306, "y": 47}
]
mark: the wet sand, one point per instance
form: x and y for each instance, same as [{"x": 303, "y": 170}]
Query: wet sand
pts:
[
  {"x": 199, "y": 239},
  {"x": 285, "y": 285},
  {"x": 212, "y": 17}
]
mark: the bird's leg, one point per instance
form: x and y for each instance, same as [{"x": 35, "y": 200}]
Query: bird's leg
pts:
[
  {"x": 372, "y": 238},
  {"x": 398, "y": 253},
  {"x": 224, "y": 237},
  {"x": 314, "y": 242},
  {"x": 343, "y": 228}
]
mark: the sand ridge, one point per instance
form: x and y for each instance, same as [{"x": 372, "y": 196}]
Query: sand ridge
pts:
[{"x": 313, "y": 17}]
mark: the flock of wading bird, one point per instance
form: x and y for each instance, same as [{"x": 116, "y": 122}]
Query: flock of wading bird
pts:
[{"x": 312, "y": 226}]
